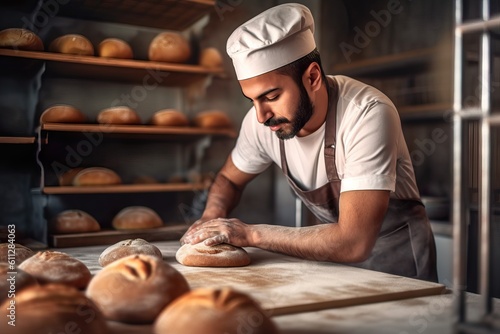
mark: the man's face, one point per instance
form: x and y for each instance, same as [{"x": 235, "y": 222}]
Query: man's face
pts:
[{"x": 281, "y": 104}]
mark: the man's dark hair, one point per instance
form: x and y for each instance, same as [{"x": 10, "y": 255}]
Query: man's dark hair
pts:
[{"x": 297, "y": 68}]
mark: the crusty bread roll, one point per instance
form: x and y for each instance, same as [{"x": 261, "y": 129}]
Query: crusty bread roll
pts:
[
  {"x": 214, "y": 311},
  {"x": 169, "y": 117},
  {"x": 13, "y": 280},
  {"x": 57, "y": 267},
  {"x": 136, "y": 217},
  {"x": 115, "y": 48},
  {"x": 169, "y": 47},
  {"x": 20, "y": 39},
  {"x": 136, "y": 288},
  {"x": 66, "y": 178},
  {"x": 62, "y": 113},
  {"x": 120, "y": 115},
  {"x": 222, "y": 255},
  {"x": 212, "y": 119},
  {"x": 145, "y": 179},
  {"x": 53, "y": 308},
  {"x": 96, "y": 176},
  {"x": 128, "y": 247},
  {"x": 210, "y": 57},
  {"x": 72, "y": 44},
  {"x": 74, "y": 221},
  {"x": 16, "y": 252}
]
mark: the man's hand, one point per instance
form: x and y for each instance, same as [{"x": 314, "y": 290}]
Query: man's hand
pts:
[{"x": 220, "y": 230}]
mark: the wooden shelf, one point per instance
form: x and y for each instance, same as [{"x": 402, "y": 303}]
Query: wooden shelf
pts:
[
  {"x": 128, "y": 70},
  {"x": 389, "y": 63},
  {"x": 137, "y": 129},
  {"x": 17, "y": 140},
  {"x": 123, "y": 188},
  {"x": 426, "y": 111},
  {"x": 108, "y": 237}
]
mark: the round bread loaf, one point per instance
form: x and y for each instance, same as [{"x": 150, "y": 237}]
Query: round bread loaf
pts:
[
  {"x": 52, "y": 308},
  {"x": 136, "y": 217},
  {"x": 72, "y": 44},
  {"x": 20, "y": 39},
  {"x": 222, "y": 255},
  {"x": 16, "y": 252},
  {"x": 120, "y": 115},
  {"x": 210, "y": 57},
  {"x": 169, "y": 47},
  {"x": 128, "y": 247},
  {"x": 212, "y": 119},
  {"x": 96, "y": 176},
  {"x": 74, "y": 221},
  {"x": 66, "y": 178},
  {"x": 115, "y": 48},
  {"x": 136, "y": 288},
  {"x": 214, "y": 311},
  {"x": 57, "y": 267},
  {"x": 145, "y": 179},
  {"x": 62, "y": 113},
  {"x": 169, "y": 117},
  {"x": 13, "y": 283}
]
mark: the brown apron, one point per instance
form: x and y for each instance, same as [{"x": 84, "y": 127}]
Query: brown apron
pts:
[{"x": 405, "y": 245}]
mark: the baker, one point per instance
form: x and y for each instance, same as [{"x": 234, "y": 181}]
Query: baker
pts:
[{"x": 340, "y": 144}]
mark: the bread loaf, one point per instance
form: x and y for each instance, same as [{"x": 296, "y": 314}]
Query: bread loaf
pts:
[
  {"x": 120, "y": 115},
  {"x": 210, "y": 57},
  {"x": 169, "y": 117},
  {"x": 74, "y": 221},
  {"x": 212, "y": 119},
  {"x": 16, "y": 252},
  {"x": 20, "y": 39},
  {"x": 136, "y": 217},
  {"x": 169, "y": 47},
  {"x": 222, "y": 255},
  {"x": 96, "y": 176},
  {"x": 66, "y": 178},
  {"x": 52, "y": 308},
  {"x": 136, "y": 288},
  {"x": 72, "y": 44},
  {"x": 115, "y": 48},
  {"x": 57, "y": 267},
  {"x": 62, "y": 113},
  {"x": 214, "y": 311},
  {"x": 128, "y": 247},
  {"x": 13, "y": 281}
]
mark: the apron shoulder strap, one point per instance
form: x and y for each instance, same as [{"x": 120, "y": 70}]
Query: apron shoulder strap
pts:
[{"x": 331, "y": 130}]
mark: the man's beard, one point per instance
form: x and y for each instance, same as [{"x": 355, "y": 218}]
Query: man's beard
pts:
[{"x": 302, "y": 116}]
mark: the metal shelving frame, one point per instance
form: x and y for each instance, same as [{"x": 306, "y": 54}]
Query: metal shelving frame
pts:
[{"x": 486, "y": 322}]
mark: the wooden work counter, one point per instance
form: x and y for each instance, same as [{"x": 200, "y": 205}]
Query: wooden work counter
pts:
[{"x": 315, "y": 297}]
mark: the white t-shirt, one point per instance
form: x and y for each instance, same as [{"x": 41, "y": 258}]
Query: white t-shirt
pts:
[{"x": 371, "y": 152}]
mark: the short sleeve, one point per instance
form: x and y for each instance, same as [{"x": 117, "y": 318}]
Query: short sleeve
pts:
[
  {"x": 371, "y": 148},
  {"x": 249, "y": 154}
]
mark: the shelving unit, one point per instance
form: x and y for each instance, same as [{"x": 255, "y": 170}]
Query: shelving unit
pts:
[{"x": 17, "y": 140}]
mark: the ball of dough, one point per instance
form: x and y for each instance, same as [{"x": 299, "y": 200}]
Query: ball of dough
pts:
[
  {"x": 72, "y": 44},
  {"x": 214, "y": 311},
  {"x": 74, "y": 221},
  {"x": 169, "y": 47},
  {"x": 135, "y": 289},
  {"x": 62, "y": 113},
  {"x": 222, "y": 255},
  {"x": 136, "y": 217},
  {"x": 16, "y": 252},
  {"x": 120, "y": 115},
  {"x": 53, "y": 308},
  {"x": 128, "y": 247},
  {"x": 57, "y": 267},
  {"x": 20, "y": 39},
  {"x": 115, "y": 48}
]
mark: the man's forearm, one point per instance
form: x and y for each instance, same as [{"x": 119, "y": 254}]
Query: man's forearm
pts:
[{"x": 222, "y": 199}]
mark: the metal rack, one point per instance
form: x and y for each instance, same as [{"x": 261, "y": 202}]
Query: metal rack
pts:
[{"x": 486, "y": 323}]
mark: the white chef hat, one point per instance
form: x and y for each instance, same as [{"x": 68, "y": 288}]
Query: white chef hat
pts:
[{"x": 272, "y": 39}]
